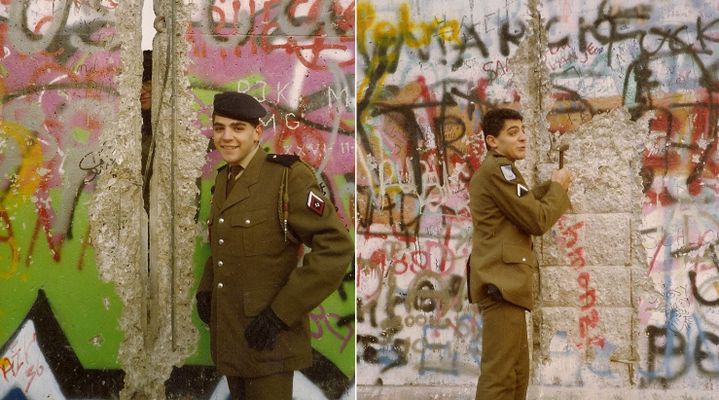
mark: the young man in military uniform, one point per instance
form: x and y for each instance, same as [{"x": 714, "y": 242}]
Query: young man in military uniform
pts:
[
  {"x": 505, "y": 214},
  {"x": 252, "y": 294}
]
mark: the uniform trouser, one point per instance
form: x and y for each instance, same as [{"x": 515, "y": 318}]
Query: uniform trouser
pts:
[
  {"x": 271, "y": 387},
  {"x": 504, "y": 369}
]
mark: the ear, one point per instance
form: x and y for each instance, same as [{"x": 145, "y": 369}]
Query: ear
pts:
[
  {"x": 258, "y": 132},
  {"x": 491, "y": 141}
]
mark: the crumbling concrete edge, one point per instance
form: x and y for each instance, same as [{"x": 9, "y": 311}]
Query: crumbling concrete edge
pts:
[
  {"x": 532, "y": 78},
  {"x": 642, "y": 285},
  {"x": 627, "y": 141},
  {"x": 180, "y": 154},
  {"x": 192, "y": 145},
  {"x": 158, "y": 332},
  {"x": 115, "y": 223}
]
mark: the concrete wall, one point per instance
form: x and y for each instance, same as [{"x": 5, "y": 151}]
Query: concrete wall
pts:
[
  {"x": 627, "y": 306},
  {"x": 83, "y": 313}
]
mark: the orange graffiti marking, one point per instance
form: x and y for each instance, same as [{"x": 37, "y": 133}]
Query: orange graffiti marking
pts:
[
  {"x": 42, "y": 22},
  {"x": 221, "y": 19},
  {"x": 35, "y": 78},
  {"x": 3, "y": 31},
  {"x": 589, "y": 321}
]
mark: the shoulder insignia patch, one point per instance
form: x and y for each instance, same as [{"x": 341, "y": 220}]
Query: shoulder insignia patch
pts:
[
  {"x": 521, "y": 190},
  {"x": 283, "y": 159},
  {"x": 507, "y": 172},
  {"x": 315, "y": 203}
]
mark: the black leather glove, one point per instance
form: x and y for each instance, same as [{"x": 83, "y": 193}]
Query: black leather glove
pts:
[
  {"x": 204, "y": 306},
  {"x": 261, "y": 333},
  {"x": 494, "y": 292}
]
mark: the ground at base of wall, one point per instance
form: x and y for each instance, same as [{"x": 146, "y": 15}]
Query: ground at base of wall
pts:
[{"x": 534, "y": 393}]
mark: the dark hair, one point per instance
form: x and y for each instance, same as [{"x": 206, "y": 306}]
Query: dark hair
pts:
[
  {"x": 146, "y": 65},
  {"x": 493, "y": 121}
]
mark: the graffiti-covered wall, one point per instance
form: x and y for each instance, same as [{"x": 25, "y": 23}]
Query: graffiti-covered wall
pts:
[
  {"x": 58, "y": 321},
  {"x": 628, "y": 277},
  {"x": 97, "y": 294},
  {"x": 419, "y": 99}
]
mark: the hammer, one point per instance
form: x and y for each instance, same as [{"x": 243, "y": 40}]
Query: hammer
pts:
[{"x": 562, "y": 149}]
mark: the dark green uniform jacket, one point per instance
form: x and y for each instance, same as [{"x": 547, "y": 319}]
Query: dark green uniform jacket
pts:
[
  {"x": 252, "y": 266},
  {"x": 504, "y": 215}
]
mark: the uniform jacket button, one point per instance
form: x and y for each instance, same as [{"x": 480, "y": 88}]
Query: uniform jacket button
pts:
[
  {"x": 220, "y": 285},
  {"x": 524, "y": 259},
  {"x": 221, "y": 220},
  {"x": 220, "y": 263},
  {"x": 221, "y": 242},
  {"x": 247, "y": 221}
]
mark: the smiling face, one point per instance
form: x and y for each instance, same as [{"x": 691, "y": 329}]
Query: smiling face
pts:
[
  {"x": 511, "y": 141},
  {"x": 234, "y": 139}
]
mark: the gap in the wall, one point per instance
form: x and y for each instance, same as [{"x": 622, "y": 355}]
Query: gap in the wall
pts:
[{"x": 148, "y": 18}]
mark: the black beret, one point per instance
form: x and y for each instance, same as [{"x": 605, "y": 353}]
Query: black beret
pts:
[{"x": 239, "y": 106}]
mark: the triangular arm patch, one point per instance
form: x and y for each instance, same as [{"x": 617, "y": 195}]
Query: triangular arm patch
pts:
[
  {"x": 315, "y": 203},
  {"x": 521, "y": 190}
]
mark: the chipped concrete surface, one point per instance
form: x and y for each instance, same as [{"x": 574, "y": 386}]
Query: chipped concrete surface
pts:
[
  {"x": 180, "y": 152},
  {"x": 116, "y": 225},
  {"x": 589, "y": 255},
  {"x": 156, "y": 322}
]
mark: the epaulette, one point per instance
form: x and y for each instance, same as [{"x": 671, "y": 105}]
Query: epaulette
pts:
[{"x": 283, "y": 159}]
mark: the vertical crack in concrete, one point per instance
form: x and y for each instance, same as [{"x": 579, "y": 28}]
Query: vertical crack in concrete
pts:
[
  {"x": 116, "y": 224},
  {"x": 157, "y": 304},
  {"x": 531, "y": 78},
  {"x": 532, "y": 75},
  {"x": 180, "y": 153}
]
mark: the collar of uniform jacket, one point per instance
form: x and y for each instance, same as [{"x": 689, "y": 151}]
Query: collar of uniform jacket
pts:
[
  {"x": 497, "y": 155},
  {"x": 250, "y": 176}
]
